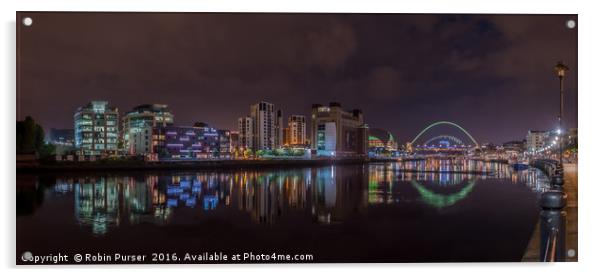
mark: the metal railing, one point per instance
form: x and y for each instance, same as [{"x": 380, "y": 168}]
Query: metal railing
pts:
[
  {"x": 549, "y": 167},
  {"x": 552, "y": 216}
]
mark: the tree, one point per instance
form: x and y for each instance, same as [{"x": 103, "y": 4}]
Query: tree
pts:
[
  {"x": 39, "y": 138},
  {"x": 26, "y": 135},
  {"x": 47, "y": 150},
  {"x": 30, "y": 138}
]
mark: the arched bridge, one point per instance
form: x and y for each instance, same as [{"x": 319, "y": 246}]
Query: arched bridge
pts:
[
  {"x": 449, "y": 123},
  {"x": 445, "y": 137}
]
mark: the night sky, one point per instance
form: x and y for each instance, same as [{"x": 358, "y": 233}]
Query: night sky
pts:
[{"x": 492, "y": 74}]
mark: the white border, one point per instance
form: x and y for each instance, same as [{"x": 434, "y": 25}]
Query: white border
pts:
[{"x": 589, "y": 100}]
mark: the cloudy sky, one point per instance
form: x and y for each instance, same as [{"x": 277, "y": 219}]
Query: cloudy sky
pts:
[{"x": 492, "y": 74}]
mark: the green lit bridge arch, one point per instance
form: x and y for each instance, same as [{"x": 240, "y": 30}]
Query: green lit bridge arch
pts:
[{"x": 445, "y": 123}]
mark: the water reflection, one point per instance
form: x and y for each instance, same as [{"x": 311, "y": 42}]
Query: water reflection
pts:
[
  {"x": 442, "y": 183},
  {"x": 328, "y": 194},
  {"x": 440, "y": 200},
  {"x": 452, "y": 166}
]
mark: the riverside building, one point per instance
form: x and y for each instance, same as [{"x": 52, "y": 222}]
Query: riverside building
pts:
[
  {"x": 535, "y": 140},
  {"x": 337, "y": 132},
  {"x": 187, "y": 142},
  {"x": 262, "y": 129},
  {"x": 296, "y": 130},
  {"x": 382, "y": 142},
  {"x": 96, "y": 129},
  {"x": 245, "y": 133},
  {"x": 264, "y": 126},
  {"x": 278, "y": 130},
  {"x": 138, "y": 125}
]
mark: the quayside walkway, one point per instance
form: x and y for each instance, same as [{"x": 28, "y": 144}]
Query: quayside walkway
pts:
[{"x": 570, "y": 188}]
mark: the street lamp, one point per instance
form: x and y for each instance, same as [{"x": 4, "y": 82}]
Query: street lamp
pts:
[{"x": 561, "y": 70}]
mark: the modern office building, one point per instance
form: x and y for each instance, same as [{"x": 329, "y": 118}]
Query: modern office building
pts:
[
  {"x": 535, "y": 140},
  {"x": 296, "y": 129},
  {"x": 139, "y": 121},
  {"x": 264, "y": 126},
  {"x": 141, "y": 142},
  {"x": 337, "y": 132},
  {"x": 245, "y": 133},
  {"x": 96, "y": 128},
  {"x": 187, "y": 142}
]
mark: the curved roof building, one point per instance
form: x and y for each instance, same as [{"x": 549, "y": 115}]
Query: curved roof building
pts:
[{"x": 379, "y": 138}]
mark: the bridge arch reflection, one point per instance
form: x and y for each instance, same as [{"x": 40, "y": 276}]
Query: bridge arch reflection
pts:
[{"x": 439, "y": 200}]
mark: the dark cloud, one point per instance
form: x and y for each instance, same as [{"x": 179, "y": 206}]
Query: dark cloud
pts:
[
  {"x": 385, "y": 83},
  {"x": 493, "y": 74}
]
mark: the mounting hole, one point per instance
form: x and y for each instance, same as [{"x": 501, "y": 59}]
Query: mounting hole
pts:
[
  {"x": 571, "y": 24},
  {"x": 571, "y": 253},
  {"x": 27, "y": 21}
]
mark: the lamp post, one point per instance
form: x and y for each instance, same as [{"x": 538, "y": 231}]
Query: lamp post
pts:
[{"x": 561, "y": 70}]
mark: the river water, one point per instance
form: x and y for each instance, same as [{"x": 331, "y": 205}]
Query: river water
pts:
[{"x": 416, "y": 211}]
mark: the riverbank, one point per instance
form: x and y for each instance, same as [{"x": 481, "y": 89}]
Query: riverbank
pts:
[
  {"x": 140, "y": 165},
  {"x": 129, "y": 165}
]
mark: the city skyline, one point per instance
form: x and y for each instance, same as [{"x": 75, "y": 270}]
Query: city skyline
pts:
[
  {"x": 502, "y": 67},
  {"x": 154, "y": 136}
]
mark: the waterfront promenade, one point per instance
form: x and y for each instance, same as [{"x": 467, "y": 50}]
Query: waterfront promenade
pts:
[{"x": 570, "y": 187}]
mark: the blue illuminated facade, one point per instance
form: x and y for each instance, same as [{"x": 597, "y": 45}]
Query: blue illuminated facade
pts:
[{"x": 177, "y": 142}]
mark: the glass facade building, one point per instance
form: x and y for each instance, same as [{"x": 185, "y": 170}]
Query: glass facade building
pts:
[
  {"x": 187, "y": 142},
  {"x": 96, "y": 128}
]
